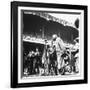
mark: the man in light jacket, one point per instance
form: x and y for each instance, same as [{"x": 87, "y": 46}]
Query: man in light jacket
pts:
[{"x": 59, "y": 45}]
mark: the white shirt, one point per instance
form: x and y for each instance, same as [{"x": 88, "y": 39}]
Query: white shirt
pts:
[{"x": 58, "y": 44}]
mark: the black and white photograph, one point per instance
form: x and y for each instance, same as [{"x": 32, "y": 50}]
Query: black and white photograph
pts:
[{"x": 50, "y": 44}]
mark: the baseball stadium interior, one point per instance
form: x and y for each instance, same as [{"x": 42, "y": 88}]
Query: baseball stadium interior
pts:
[{"x": 40, "y": 56}]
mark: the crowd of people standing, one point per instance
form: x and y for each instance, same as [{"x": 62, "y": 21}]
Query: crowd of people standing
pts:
[{"x": 54, "y": 60}]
